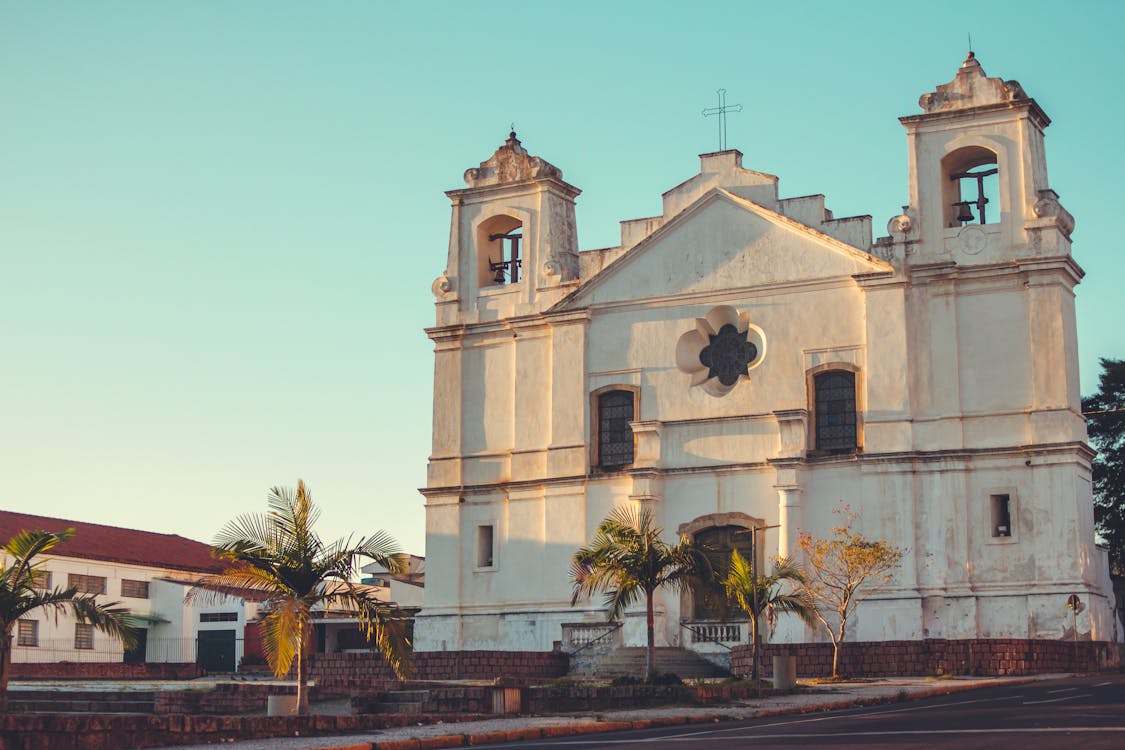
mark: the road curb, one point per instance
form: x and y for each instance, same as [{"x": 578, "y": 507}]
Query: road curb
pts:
[
  {"x": 884, "y": 699},
  {"x": 599, "y": 727}
]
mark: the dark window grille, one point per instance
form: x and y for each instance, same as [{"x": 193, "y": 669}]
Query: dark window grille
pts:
[
  {"x": 134, "y": 589},
  {"x": 28, "y": 633},
  {"x": 83, "y": 635},
  {"x": 86, "y": 584},
  {"x": 42, "y": 580},
  {"x": 615, "y": 436},
  {"x": 835, "y": 411},
  {"x": 218, "y": 616}
]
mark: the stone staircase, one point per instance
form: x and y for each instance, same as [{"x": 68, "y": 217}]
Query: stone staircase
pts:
[
  {"x": 399, "y": 702},
  {"x": 630, "y": 662},
  {"x": 82, "y": 701}
]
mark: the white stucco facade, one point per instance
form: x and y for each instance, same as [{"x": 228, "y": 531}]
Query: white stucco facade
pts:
[
  {"x": 154, "y": 595},
  {"x": 958, "y": 338}
]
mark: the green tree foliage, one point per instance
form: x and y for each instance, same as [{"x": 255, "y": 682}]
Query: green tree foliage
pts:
[
  {"x": 279, "y": 555},
  {"x": 842, "y": 571},
  {"x": 781, "y": 591},
  {"x": 19, "y": 597},
  {"x": 627, "y": 560},
  {"x": 1105, "y": 425}
]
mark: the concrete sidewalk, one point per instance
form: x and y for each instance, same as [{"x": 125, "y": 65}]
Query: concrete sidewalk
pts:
[{"x": 490, "y": 731}]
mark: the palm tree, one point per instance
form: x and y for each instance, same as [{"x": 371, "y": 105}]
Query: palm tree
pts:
[
  {"x": 279, "y": 555},
  {"x": 768, "y": 595},
  {"x": 19, "y": 596},
  {"x": 628, "y": 559}
]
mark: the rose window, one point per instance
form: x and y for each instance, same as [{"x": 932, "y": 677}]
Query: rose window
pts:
[{"x": 721, "y": 350}]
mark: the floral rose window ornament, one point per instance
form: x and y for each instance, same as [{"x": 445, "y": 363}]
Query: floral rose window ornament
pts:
[{"x": 720, "y": 350}]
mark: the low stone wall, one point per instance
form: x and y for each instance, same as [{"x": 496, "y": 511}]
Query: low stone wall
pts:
[
  {"x": 478, "y": 699},
  {"x": 225, "y": 699},
  {"x": 106, "y": 671},
  {"x": 459, "y": 699},
  {"x": 564, "y": 698},
  {"x": 370, "y": 671},
  {"x": 991, "y": 656},
  {"x": 76, "y": 732}
]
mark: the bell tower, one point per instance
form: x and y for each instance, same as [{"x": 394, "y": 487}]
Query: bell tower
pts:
[
  {"x": 513, "y": 247},
  {"x": 978, "y": 174}
]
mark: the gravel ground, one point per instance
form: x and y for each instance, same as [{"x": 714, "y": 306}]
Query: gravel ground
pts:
[{"x": 820, "y": 696}]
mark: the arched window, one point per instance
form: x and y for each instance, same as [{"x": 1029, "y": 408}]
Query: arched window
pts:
[
  {"x": 616, "y": 409},
  {"x": 835, "y": 408}
]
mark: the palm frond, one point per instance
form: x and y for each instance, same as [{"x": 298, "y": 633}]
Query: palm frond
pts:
[
  {"x": 27, "y": 545},
  {"x": 112, "y": 619},
  {"x": 280, "y": 555},
  {"x": 240, "y": 576},
  {"x": 628, "y": 558},
  {"x": 246, "y": 534},
  {"x": 380, "y": 623},
  {"x": 282, "y": 630}
]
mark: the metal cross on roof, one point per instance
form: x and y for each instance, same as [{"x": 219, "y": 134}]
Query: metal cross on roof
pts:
[{"x": 721, "y": 111}]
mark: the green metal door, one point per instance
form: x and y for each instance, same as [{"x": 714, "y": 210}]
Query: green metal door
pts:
[{"x": 216, "y": 650}]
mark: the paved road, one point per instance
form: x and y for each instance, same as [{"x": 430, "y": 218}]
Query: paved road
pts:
[{"x": 1075, "y": 712}]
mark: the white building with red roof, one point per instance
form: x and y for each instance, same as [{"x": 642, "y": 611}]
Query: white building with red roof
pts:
[{"x": 147, "y": 572}]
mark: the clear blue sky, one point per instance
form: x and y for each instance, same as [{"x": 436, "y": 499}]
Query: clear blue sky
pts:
[{"x": 219, "y": 221}]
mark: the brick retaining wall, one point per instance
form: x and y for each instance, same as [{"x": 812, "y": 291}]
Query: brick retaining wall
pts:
[
  {"x": 225, "y": 699},
  {"x": 105, "y": 671},
  {"x": 371, "y": 671},
  {"x": 470, "y": 699},
  {"x": 993, "y": 656},
  {"x": 563, "y": 698},
  {"x": 77, "y": 732}
]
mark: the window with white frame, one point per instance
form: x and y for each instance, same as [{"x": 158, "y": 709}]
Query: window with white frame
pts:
[
  {"x": 1001, "y": 511},
  {"x": 486, "y": 546}
]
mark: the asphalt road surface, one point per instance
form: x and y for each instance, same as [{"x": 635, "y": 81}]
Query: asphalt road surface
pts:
[{"x": 1087, "y": 713}]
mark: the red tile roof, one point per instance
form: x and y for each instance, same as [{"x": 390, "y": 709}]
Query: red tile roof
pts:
[{"x": 93, "y": 541}]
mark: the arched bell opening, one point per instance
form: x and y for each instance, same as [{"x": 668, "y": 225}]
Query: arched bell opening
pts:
[
  {"x": 971, "y": 187},
  {"x": 499, "y": 251}
]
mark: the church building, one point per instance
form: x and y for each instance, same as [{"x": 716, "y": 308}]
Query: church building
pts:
[{"x": 748, "y": 361}]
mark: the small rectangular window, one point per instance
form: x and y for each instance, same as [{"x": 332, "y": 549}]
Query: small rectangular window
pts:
[
  {"x": 86, "y": 584},
  {"x": 42, "y": 580},
  {"x": 83, "y": 635},
  {"x": 218, "y": 617},
  {"x": 28, "y": 633},
  {"x": 485, "y": 546},
  {"x": 1001, "y": 515},
  {"x": 134, "y": 589}
]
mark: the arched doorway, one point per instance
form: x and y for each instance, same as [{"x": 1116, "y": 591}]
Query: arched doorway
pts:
[{"x": 710, "y": 620}]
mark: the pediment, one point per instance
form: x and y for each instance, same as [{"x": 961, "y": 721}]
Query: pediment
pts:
[{"x": 723, "y": 242}]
